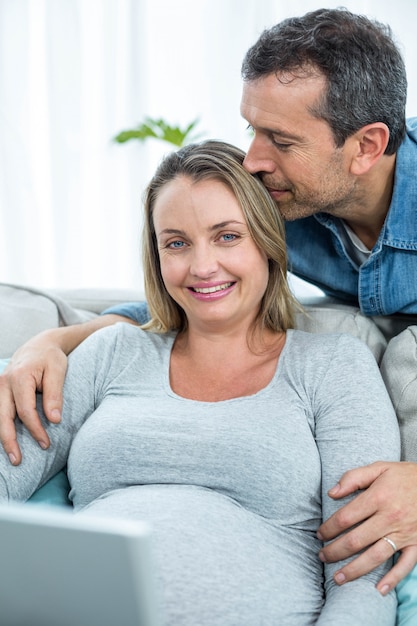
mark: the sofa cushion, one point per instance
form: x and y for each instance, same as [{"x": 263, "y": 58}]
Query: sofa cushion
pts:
[
  {"x": 335, "y": 318},
  {"x": 54, "y": 492},
  {"x": 407, "y": 600},
  {"x": 24, "y": 312},
  {"x": 399, "y": 371}
]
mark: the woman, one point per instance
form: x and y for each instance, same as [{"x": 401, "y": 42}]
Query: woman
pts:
[{"x": 217, "y": 422}]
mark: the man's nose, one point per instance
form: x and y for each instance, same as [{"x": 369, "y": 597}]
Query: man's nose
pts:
[{"x": 257, "y": 158}]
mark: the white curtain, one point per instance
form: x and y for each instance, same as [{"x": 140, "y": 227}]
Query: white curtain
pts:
[{"x": 73, "y": 73}]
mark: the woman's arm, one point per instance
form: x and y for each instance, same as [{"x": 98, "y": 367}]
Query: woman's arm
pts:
[{"x": 355, "y": 425}]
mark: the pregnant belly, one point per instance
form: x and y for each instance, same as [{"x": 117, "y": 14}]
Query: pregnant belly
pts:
[{"x": 219, "y": 564}]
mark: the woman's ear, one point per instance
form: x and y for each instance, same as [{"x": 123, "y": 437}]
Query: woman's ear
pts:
[{"x": 370, "y": 143}]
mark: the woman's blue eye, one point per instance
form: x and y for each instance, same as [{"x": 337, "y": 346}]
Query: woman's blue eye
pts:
[
  {"x": 229, "y": 237},
  {"x": 176, "y": 244}
]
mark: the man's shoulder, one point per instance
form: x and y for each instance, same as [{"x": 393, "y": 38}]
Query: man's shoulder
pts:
[
  {"x": 136, "y": 311},
  {"x": 412, "y": 128}
]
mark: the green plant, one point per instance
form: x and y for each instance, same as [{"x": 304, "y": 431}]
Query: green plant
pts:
[{"x": 159, "y": 129}]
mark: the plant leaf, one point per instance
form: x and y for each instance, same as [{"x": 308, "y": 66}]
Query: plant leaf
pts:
[{"x": 159, "y": 129}]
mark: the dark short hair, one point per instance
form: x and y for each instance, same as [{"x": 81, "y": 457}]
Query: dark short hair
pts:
[{"x": 363, "y": 67}]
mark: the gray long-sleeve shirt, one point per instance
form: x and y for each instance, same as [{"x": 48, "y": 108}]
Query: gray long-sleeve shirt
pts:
[{"x": 236, "y": 489}]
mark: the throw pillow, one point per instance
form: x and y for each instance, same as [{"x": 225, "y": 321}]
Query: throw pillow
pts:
[{"x": 407, "y": 600}]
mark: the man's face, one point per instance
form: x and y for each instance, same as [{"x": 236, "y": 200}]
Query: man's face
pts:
[{"x": 293, "y": 151}]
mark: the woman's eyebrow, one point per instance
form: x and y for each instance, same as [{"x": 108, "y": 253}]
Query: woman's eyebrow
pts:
[
  {"x": 178, "y": 231},
  {"x": 171, "y": 231},
  {"x": 226, "y": 223}
]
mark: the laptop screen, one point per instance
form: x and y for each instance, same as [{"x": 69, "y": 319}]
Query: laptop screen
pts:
[{"x": 61, "y": 569}]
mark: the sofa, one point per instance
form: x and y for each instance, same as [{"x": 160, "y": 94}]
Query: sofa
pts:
[{"x": 26, "y": 311}]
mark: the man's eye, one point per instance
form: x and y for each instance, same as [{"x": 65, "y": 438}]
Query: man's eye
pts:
[{"x": 281, "y": 146}]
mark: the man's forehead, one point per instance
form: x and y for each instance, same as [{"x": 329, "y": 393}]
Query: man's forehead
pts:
[{"x": 268, "y": 94}]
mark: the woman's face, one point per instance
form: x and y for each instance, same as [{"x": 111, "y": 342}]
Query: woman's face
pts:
[{"x": 209, "y": 263}]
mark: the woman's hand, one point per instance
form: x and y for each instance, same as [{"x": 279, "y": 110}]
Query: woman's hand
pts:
[{"x": 386, "y": 508}]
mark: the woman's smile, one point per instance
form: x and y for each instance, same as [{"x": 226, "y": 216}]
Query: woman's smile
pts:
[{"x": 212, "y": 291}]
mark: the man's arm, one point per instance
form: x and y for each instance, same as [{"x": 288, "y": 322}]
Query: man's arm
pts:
[
  {"x": 386, "y": 508},
  {"x": 40, "y": 365}
]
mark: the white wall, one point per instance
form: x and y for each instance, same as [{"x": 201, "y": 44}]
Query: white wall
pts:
[{"x": 73, "y": 73}]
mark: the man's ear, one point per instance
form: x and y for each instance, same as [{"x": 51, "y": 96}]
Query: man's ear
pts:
[{"x": 370, "y": 143}]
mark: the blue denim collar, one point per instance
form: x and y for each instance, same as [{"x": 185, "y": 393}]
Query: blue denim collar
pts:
[{"x": 401, "y": 223}]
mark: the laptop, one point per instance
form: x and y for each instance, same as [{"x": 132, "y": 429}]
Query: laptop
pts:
[{"x": 61, "y": 569}]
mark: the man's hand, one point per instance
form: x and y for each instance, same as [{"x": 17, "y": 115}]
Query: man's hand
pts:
[
  {"x": 36, "y": 366},
  {"x": 40, "y": 365},
  {"x": 387, "y": 508}
]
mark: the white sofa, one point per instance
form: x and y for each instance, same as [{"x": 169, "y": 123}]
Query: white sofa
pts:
[{"x": 25, "y": 311}]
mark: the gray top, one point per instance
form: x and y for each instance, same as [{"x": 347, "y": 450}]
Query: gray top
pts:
[{"x": 235, "y": 489}]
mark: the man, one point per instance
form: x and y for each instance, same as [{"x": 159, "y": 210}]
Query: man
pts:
[
  {"x": 325, "y": 96},
  {"x": 328, "y": 109}
]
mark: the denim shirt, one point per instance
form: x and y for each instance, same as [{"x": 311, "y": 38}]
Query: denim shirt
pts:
[{"x": 387, "y": 282}]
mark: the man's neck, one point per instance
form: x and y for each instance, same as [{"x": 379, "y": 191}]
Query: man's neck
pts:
[{"x": 367, "y": 220}]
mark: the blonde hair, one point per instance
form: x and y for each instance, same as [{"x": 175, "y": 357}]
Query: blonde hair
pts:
[{"x": 221, "y": 162}]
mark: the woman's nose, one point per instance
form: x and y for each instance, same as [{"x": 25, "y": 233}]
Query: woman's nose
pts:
[{"x": 204, "y": 261}]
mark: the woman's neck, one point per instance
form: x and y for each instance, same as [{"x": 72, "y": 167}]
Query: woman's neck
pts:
[{"x": 212, "y": 368}]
